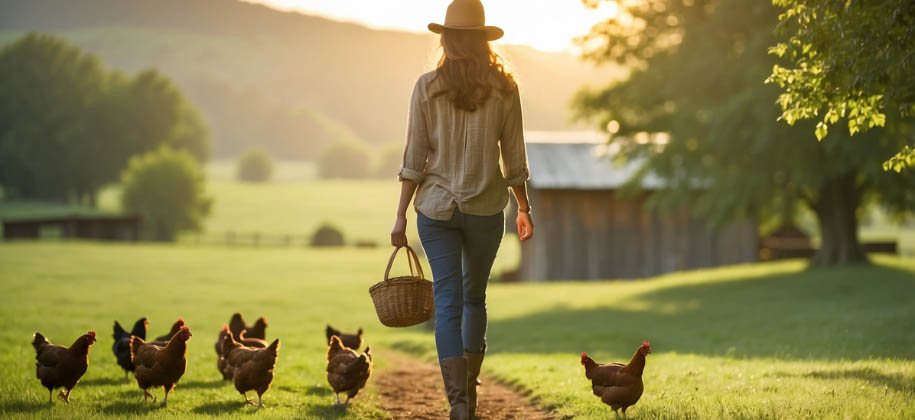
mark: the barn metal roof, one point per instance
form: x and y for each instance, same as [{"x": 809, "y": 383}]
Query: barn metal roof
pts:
[{"x": 580, "y": 166}]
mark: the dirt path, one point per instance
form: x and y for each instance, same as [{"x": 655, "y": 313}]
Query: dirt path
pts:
[{"x": 412, "y": 389}]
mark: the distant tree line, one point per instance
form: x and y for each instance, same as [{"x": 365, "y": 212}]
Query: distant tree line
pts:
[
  {"x": 68, "y": 126},
  {"x": 347, "y": 159}
]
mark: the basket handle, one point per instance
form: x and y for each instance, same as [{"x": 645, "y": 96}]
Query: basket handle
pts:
[{"x": 412, "y": 259}]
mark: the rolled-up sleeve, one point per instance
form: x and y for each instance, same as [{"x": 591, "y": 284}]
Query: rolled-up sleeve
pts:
[
  {"x": 514, "y": 154},
  {"x": 417, "y": 148}
]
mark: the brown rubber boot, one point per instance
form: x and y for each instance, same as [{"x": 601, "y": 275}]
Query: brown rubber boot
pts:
[
  {"x": 454, "y": 373},
  {"x": 474, "y": 363}
]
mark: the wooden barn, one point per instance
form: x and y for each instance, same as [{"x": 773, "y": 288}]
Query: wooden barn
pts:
[
  {"x": 585, "y": 231},
  {"x": 75, "y": 226}
]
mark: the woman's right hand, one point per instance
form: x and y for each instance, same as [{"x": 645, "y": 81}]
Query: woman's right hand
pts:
[
  {"x": 399, "y": 233},
  {"x": 525, "y": 226}
]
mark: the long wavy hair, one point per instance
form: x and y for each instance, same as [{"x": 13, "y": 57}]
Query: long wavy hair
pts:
[{"x": 469, "y": 69}]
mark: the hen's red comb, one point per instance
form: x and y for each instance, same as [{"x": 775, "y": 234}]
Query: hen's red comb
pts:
[
  {"x": 584, "y": 354},
  {"x": 180, "y": 321},
  {"x": 646, "y": 344},
  {"x": 92, "y": 333},
  {"x": 225, "y": 328}
]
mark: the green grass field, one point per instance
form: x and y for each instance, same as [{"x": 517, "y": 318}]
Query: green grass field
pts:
[
  {"x": 767, "y": 341},
  {"x": 771, "y": 341}
]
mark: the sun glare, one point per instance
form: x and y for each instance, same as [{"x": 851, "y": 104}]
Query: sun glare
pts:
[{"x": 549, "y": 25}]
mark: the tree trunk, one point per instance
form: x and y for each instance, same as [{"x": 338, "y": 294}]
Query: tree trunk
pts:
[{"x": 836, "y": 210}]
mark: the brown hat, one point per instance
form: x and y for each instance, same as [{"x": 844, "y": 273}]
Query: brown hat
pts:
[{"x": 467, "y": 15}]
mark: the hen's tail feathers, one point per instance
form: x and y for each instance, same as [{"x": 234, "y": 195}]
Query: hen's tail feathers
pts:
[
  {"x": 359, "y": 333},
  {"x": 140, "y": 327},
  {"x": 274, "y": 347},
  {"x": 38, "y": 340},
  {"x": 336, "y": 345},
  {"x": 364, "y": 362},
  {"x": 135, "y": 344},
  {"x": 330, "y": 332},
  {"x": 368, "y": 352},
  {"x": 119, "y": 331}
]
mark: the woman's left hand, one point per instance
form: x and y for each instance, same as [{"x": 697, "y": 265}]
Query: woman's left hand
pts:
[{"x": 525, "y": 226}]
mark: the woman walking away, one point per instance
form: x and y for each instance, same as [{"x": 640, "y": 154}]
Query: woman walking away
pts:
[{"x": 463, "y": 116}]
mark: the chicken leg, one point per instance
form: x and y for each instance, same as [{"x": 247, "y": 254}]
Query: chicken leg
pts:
[
  {"x": 147, "y": 396},
  {"x": 339, "y": 403},
  {"x": 165, "y": 399},
  {"x": 50, "y": 397},
  {"x": 64, "y": 396},
  {"x": 247, "y": 400},
  {"x": 260, "y": 402}
]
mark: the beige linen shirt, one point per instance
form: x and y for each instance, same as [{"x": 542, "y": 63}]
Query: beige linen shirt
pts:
[{"x": 453, "y": 155}]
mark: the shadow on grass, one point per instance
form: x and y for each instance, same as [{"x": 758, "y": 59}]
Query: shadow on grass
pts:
[
  {"x": 25, "y": 406},
  {"x": 896, "y": 382},
  {"x": 203, "y": 384},
  {"x": 130, "y": 407},
  {"x": 105, "y": 381},
  {"x": 220, "y": 407},
  {"x": 317, "y": 390},
  {"x": 328, "y": 411},
  {"x": 855, "y": 312}
]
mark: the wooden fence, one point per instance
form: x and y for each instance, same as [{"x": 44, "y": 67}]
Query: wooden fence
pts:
[{"x": 260, "y": 240}]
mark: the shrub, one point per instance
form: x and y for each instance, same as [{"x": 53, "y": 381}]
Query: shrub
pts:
[
  {"x": 344, "y": 159},
  {"x": 255, "y": 166},
  {"x": 327, "y": 235},
  {"x": 166, "y": 187}
]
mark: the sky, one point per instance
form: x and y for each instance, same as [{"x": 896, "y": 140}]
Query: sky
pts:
[{"x": 548, "y": 25}]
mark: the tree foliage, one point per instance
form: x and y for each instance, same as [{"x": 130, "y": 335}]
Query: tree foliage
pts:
[
  {"x": 698, "y": 73},
  {"x": 344, "y": 159},
  {"x": 68, "y": 126},
  {"x": 850, "y": 60},
  {"x": 255, "y": 165},
  {"x": 167, "y": 188}
]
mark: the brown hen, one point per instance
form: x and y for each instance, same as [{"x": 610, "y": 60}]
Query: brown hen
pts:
[
  {"x": 347, "y": 371},
  {"x": 160, "y": 366},
  {"x": 237, "y": 325},
  {"x": 353, "y": 341},
  {"x": 59, "y": 366},
  {"x": 618, "y": 385},
  {"x": 221, "y": 362},
  {"x": 251, "y": 369}
]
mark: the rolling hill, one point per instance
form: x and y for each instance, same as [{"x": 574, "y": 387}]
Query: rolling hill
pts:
[{"x": 284, "y": 81}]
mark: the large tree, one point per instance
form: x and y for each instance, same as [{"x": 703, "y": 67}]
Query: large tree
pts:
[
  {"x": 852, "y": 60},
  {"x": 47, "y": 88},
  {"x": 68, "y": 126},
  {"x": 698, "y": 71}
]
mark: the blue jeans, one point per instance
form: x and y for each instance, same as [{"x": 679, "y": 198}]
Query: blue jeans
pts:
[{"x": 461, "y": 252}]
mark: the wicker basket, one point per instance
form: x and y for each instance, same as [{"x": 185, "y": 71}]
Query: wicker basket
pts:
[{"x": 403, "y": 301}]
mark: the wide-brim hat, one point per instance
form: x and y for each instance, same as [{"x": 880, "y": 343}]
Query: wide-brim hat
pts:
[{"x": 467, "y": 15}]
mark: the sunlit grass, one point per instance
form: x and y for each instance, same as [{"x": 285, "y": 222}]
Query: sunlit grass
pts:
[
  {"x": 762, "y": 341},
  {"x": 63, "y": 290},
  {"x": 771, "y": 341}
]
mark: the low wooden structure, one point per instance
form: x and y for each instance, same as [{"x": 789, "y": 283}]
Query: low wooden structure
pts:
[
  {"x": 586, "y": 230},
  {"x": 790, "y": 242},
  {"x": 115, "y": 228}
]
